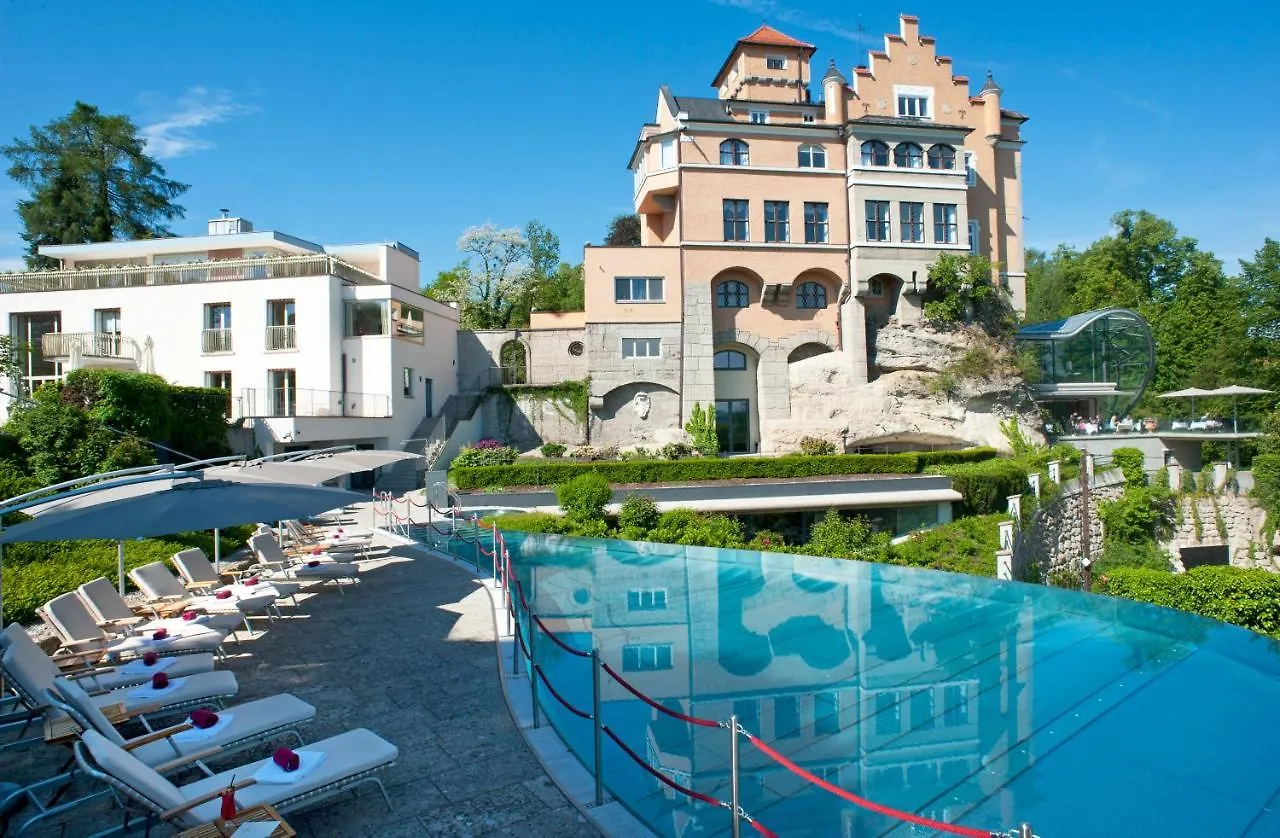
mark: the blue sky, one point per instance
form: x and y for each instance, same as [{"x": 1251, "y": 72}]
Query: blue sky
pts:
[{"x": 343, "y": 122}]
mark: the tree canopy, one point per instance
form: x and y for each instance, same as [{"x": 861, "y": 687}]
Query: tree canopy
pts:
[
  {"x": 624, "y": 231},
  {"x": 90, "y": 180}
]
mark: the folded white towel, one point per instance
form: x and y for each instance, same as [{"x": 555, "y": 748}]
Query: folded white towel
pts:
[
  {"x": 255, "y": 829},
  {"x": 148, "y": 691},
  {"x": 308, "y": 761},
  {"x": 137, "y": 667},
  {"x": 198, "y": 735}
]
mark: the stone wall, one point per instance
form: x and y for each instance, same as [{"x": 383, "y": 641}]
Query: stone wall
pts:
[
  {"x": 1229, "y": 520},
  {"x": 1053, "y": 541},
  {"x": 547, "y": 355},
  {"x": 527, "y": 420}
]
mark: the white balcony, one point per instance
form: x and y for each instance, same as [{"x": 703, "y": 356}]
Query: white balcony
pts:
[
  {"x": 277, "y": 402},
  {"x": 88, "y": 349},
  {"x": 280, "y": 338},
  {"x": 215, "y": 341}
]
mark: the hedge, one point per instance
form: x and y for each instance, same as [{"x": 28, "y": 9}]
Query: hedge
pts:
[
  {"x": 36, "y": 573},
  {"x": 984, "y": 485},
  {"x": 1249, "y": 598},
  {"x": 966, "y": 545},
  {"x": 555, "y": 472}
]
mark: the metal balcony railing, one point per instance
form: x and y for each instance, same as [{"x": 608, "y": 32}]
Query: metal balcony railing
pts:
[
  {"x": 90, "y": 344},
  {"x": 281, "y": 337},
  {"x": 137, "y": 276},
  {"x": 215, "y": 340},
  {"x": 273, "y": 402}
]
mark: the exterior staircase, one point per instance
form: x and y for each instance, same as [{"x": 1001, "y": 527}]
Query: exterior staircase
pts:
[{"x": 429, "y": 441}]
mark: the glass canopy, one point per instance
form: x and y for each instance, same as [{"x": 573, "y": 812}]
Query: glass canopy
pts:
[{"x": 1105, "y": 356}]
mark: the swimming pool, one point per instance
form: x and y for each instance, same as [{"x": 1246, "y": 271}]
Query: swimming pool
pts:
[{"x": 963, "y": 699}]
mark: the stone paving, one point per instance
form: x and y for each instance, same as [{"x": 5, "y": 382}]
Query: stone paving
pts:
[{"x": 409, "y": 654}]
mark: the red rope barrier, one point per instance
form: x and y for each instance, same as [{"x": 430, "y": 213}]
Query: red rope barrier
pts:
[
  {"x": 549, "y": 633},
  {"x": 486, "y": 553},
  {"x": 656, "y": 773},
  {"x": 694, "y": 720},
  {"x": 762, "y": 829},
  {"x": 953, "y": 829},
  {"x": 520, "y": 640},
  {"x": 547, "y": 683},
  {"x": 524, "y": 603}
]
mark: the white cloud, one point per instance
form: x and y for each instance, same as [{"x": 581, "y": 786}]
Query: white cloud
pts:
[
  {"x": 799, "y": 17},
  {"x": 174, "y": 133}
]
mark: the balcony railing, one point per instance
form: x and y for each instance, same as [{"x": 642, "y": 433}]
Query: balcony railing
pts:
[
  {"x": 281, "y": 337},
  {"x": 225, "y": 270},
  {"x": 88, "y": 344},
  {"x": 215, "y": 340},
  {"x": 271, "y": 402}
]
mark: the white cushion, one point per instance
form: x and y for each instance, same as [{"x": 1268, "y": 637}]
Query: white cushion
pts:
[{"x": 199, "y": 687}]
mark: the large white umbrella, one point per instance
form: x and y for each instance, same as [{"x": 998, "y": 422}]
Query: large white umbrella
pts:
[
  {"x": 122, "y": 512},
  {"x": 1189, "y": 393},
  {"x": 1235, "y": 391}
]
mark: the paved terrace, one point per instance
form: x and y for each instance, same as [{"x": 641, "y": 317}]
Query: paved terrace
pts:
[{"x": 410, "y": 655}]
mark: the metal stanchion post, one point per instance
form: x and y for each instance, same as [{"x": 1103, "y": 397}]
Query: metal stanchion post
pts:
[
  {"x": 515, "y": 643},
  {"x": 733, "y": 774},
  {"x": 509, "y": 585},
  {"x": 597, "y": 726},
  {"x": 1024, "y": 831},
  {"x": 495, "y": 552},
  {"x": 533, "y": 673}
]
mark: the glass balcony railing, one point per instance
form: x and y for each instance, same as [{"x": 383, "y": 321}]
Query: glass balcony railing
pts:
[
  {"x": 274, "y": 402},
  {"x": 223, "y": 270}
]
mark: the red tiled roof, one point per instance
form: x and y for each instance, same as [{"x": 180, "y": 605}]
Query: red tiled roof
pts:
[{"x": 766, "y": 34}]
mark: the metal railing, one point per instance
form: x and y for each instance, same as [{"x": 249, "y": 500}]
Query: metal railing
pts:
[
  {"x": 273, "y": 402},
  {"x": 91, "y": 344},
  {"x": 223, "y": 270},
  {"x": 281, "y": 337},
  {"x": 215, "y": 340},
  {"x": 465, "y": 539}
]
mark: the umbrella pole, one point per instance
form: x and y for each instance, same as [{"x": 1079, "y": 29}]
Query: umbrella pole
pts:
[
  {"x": 120, "y": 565},
  {"x": 1, "y": 585},
  {"x": 280, "y": 533},
  {"x": 217, "y": 552}
]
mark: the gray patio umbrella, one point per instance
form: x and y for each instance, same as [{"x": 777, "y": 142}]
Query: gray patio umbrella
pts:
[
  {"x": 1190, "y": 392},
  {"x": 129, "y": 511},
  {"x": 356, "y": 461},
  {"x": 309, "y": 473},
  {"x": 1235, "y": 391}
]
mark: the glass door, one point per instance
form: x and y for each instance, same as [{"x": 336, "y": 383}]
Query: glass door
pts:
[
  {"x": 106, "y": 341},
  {"x": 733, "y": 425},
  {"x": 284, "y": 392}
]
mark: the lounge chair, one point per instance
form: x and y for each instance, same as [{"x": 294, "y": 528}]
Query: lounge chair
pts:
[
  {"x": 80, "y": 634},
  {"x": 199, "y": 574},
  {"x": 239, "y": 726},
  {"x": 103, "y": 678},
  {"x": 349, "y": 759},
  {"x": 163, "y": 589},
  {"x": 114, "y": 614},
  {"x": 335, "y": 542},
  {"x": 274, "y": 565}
]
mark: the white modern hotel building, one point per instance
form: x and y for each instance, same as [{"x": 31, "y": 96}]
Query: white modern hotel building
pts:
[{"x": 315, "y": 345}]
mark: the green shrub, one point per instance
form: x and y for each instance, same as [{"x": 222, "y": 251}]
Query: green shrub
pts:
[
  {"x": 1132, "y": 462},
  {"x": 1266, "y": 482},
  {"x": 815, "y": 446},
  {"x": 584, "y": 497},
  {"x": 637, "y": 516},
  {"x": 966, "y": 545},
  {"x": 846, "y": 537},
  {"x": 1116, "y": 554},
  {"x": 551, "y": 472},
  {"x": 1142, "y": 514},
  {"x": 769, "y": 541},
  {"x": 542, "y": 522},
  {"x": 676, "y": 451},
  {"x": 637, "y": 453},
  {"x": 486, "y": 452},
  {"x": 984, "y": 485},
  {"x": 35, "y": 573},
  {"x": 684, "y": 526},
  {"x": 1249, "y": 598},
  {"x": 552, "y": 449},
  {"x": 701, "y": 428}
]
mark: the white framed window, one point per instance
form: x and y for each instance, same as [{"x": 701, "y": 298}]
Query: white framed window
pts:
[
  {"x": 646, "y": 599},
  {"x": 637, "y": 289},
  {"x": 944, "y": 224},
  {"x": 913, "y": 102},
  {"x": 641, "y": 347},
  {"x": 812, "y": 156},
  {"x": 775, "y": 62},
  {"x": 759, "y": 117},
  {"x": 667, "y": 153},
  {"x": 646, "y": 657},
  {"x": 975, "y": 232},
  {"x": 970, "y": 170},
  {"x": 729, "y": 359}
]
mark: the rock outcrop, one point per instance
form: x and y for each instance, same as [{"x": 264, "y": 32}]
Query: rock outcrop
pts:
[{"x": 916, "y": 395}]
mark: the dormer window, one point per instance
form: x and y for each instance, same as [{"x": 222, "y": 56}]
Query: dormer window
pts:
[
  {"x": 776, "y": 62},
  {"x": 913, "y": 102},
  {"x": 759, "y": 117}
]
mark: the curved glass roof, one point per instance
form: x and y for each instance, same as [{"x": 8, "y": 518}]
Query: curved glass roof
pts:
[{"x": 1108, "y": 354}]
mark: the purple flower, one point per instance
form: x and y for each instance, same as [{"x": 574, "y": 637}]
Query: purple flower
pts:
[{"x": 487, "y": 444}]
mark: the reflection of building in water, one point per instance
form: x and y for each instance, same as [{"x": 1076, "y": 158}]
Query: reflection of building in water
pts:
[{"x": 865, "y": 681}]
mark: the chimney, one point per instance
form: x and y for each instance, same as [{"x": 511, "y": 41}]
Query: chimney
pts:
[{"x": 225, "y": 225}]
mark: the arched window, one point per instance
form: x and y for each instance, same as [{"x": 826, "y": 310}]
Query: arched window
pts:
[
  {"x": 813, "y": 156},
  {"x": 875, "y": 153},
  {"x": 515, "y": 363},
  {"x": 734, "y": 153},
  {"x": 811, "y": 295},
  {"x": 732, "y": 294},
  {"x": 730, "y": 359},
  {"x": 908, "y": 156},
  {"x": 942, "y": 156},
  {"x": 876, "y": 286}
]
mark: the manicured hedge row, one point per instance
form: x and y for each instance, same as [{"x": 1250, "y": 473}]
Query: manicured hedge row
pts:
[
  {"x": 1249, "y": 598},
  {"x": 984, "y": 485},
  {"x": 554, "y": 472}
]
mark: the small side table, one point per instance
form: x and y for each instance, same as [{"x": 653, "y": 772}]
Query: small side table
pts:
[{"x": 262, "y": 813}]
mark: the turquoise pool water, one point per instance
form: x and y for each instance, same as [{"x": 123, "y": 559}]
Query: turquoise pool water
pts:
[{"x": 966, "y": 700}]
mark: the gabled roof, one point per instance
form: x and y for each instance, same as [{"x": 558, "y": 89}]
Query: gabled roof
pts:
[{"x": 767, "y": 36}]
